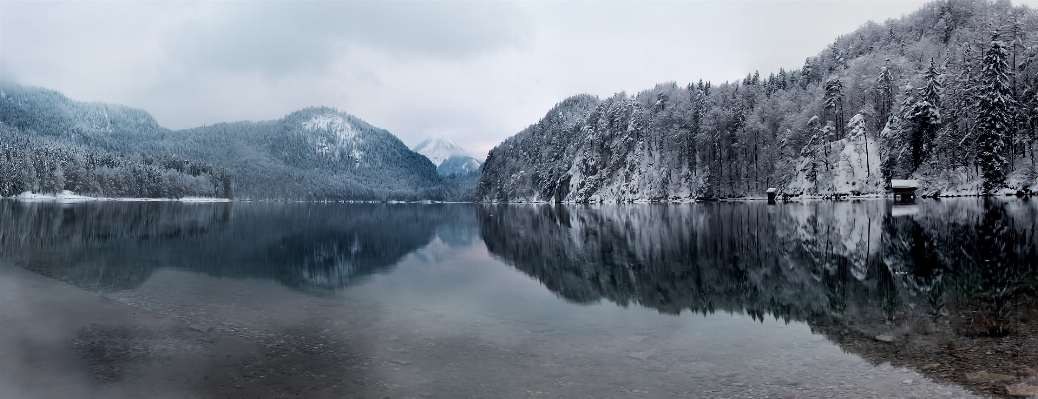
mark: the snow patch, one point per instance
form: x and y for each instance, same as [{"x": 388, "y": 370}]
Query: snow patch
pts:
[
  {"x": 339, "y": 136},
  {"x": 64, "y": 196},
  {"x": 204, "y": 199},
  {"x": 439, "y": 149},
  {"x": 852, "y": 167},
  {"x": 67, "y": 196}
]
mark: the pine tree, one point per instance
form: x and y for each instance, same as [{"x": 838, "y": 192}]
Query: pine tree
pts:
[
  {"x": 834, "y": 103},
  {"x": 885, "y": 95},
  {"x": 994, "y": 118},
  {"x": 896, "y": 140},
  {"x": 934, "y": 88},
  {"x": 925, "y": 115}
]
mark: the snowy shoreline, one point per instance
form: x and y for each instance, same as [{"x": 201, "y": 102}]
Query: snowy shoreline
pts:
[
  {"x": 798, "y": 198},
  {"x": 70, "y": 197}
]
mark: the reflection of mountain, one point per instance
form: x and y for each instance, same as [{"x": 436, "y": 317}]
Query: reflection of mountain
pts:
[
  {"x": 960, "y": 270},
  {"x": 791, "y": 260},
  {"x": 113, "y": 246},
  {"x": 672, "y": 258}
]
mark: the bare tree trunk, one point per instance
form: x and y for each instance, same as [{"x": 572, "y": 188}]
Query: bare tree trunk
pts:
[{"x": 868, "y": 168}]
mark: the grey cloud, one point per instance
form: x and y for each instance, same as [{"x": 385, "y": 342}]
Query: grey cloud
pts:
[
  {"x": 279, "y": 38},
  {"x": 6, "y": 73}
]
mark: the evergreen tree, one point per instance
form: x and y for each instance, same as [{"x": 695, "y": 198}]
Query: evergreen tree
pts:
[
  {"x": 896, "y": 140},
  {"x": 934, "y": 89},
  {"x": 834, "y": 104},
  {"x": 993, "y": 117},
  {"x": 925, "y": 116},
  {"x": 884, "y": 95}
]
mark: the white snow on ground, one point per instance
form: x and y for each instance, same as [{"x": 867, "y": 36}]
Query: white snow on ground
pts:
[
  {"x": 64, "y": 196},
  {"x": 70, "y": 197},
  {"x": 853, "y": 167},
  {"x": 339, "y": 135},
  {"x": 335, "y": 124},
  {"x": 969, "y": 181},
  {"x": 204, "y": 199}
]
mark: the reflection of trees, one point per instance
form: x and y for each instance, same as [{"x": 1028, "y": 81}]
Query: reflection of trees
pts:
[
  {"x": 1000, "y": 265},
  {"x": 702, "y": 258},
  {"x": 102, "y": 245},
  {"x": 112, "y": 246},
  {"x": 801, "y": 261}
]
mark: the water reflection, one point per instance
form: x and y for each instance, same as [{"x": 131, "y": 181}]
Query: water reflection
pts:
[
  {"x": 795, "y": 261},
  {"x": 944, "y": 287},
  {"x": 887, "y": 282},
  {"x": 110, "y": 246}
]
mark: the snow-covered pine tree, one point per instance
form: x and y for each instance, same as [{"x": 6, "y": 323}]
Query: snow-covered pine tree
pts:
[
  {"x": 934, "y": 88},
  {"x": 895, "y": 143},
  {"x": 834, "y": 103},
  {"x": 884, "y": 95},
  {"x": 925, "y": 118},
  {"x": 955, "y": 139},
  {"x": 994, "y": 115},
  {"x": 925, "y": 115}
]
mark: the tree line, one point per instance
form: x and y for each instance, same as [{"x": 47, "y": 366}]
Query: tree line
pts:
[
  {"x": 29, "y": 163},
  {"x": 947, "y": 95}
]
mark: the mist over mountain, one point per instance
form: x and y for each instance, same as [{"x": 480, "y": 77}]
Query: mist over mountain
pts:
[
  {"x": 313, "y": 154},
  {"x": 947, "y": 95},
  {"x": 449, "y": 158}
]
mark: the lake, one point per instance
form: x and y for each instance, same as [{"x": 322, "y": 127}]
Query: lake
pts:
[{"x": 735, "y": 300}]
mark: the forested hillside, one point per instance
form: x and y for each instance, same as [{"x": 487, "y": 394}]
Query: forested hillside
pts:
[
  {"x": 315, "y": 153},
  {"x": 947, "y": 95},
  {"x": 50, "y": 143},
  {"x": 32, "y": 164}
]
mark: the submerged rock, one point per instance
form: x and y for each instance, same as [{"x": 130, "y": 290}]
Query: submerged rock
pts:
[
  {"x": 643, "y": 355},
  {"x": 885, "y": 338},
  {"x": 1022, "y": 390},
  {"x": 984, "y": 376},
  {"x": 201, "y": 327}
]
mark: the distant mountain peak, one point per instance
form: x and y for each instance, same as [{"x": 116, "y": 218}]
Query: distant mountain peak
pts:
[{"x": 439, "y": 149}]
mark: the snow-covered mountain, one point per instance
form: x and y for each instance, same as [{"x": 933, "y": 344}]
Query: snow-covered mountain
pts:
[
  {"x": 449, "y": 158},
  {"x": 314, "y": 153},
  {"x": 458, "y": 165},
  {"x": 884, "y": 102},
  {"x": 438, "y": 149}
]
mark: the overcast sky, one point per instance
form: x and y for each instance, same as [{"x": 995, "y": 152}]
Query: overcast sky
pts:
[{"x": 475, "y": 72}]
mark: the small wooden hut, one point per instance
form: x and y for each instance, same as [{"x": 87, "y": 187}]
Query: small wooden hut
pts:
[
  {"x": 772, "y": 192},
  {"x": 904, "y": 190}
]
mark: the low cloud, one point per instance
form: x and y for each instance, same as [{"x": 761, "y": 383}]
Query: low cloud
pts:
[{"x": 282, "y": 38}]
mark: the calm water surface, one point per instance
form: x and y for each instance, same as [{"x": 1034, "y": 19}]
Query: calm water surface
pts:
[{"x": 245, "y": 300}]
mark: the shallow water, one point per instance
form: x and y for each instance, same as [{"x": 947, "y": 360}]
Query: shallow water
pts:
[{"x": 455, "y": 301}]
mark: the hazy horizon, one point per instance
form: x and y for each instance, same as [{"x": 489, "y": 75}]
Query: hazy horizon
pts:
[{"x": 474, "y": 72}]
